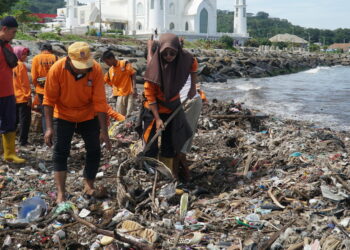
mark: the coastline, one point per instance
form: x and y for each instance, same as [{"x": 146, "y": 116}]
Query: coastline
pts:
[{"x": 215, "y": 65}]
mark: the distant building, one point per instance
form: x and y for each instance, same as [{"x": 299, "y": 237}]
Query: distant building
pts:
[
  {"x": 45, "y": 18},
  {"x": 345, "y": 47},
  {"x": 189, "y": 18}
]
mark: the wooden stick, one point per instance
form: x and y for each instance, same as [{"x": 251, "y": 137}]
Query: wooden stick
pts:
[
  {"x": 238, "y": 116},
  {"x": 177, "y": 238},
  {"x": 275, "y": 236},
  {"x": 275, "y": 199},
  {"x": 247, "y": 164},
  {"x": 344, "y": 183},
  {"x": 115, "y": 235},
  {"x": 296, "y": 246},
  {"x": 336, "y": 175},
  {"x": 341, "y": 228},
  {"x": 154, "y": 191}
]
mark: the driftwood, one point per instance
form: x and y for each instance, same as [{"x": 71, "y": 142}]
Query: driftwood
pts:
[
  {"x": 114, "y": 234},
  {"x": 296, "y": 246},
  {"x": 344, "y": 184},
  {"x": 336, "y": 175},
  {"x": 275, "y": 236},
  {"x": 275, "y": 199},
  {"x": 247, "y": 164},
  {"x": 238, "y": 116},
  {"x": 341, "y": 228}
]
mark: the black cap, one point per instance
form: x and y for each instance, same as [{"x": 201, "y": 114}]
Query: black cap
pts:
[
  {"x": 9, "y": 21},
  {"x": 46, "y": 46}
]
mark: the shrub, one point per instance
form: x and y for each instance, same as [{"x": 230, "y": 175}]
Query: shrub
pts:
[
  {"x": 227, "y": 41},
  {"x": 92, "y": 32},
  {"x": 252, "y": 43},
  {"x": 120, "y": 32},
  {"x": 49, "y": 36},
  {"x": 23, "y": 36},
  {"x": 314, "y": 48}
]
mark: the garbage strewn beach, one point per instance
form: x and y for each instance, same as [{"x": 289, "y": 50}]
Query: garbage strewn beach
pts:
[{"x": 258, "y": 182}]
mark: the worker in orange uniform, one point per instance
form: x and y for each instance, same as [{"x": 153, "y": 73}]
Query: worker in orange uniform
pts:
[
  {"x": 41, "y": 65},
  {"x": 22, "y": 89},
  {"x": 121, "y": 76},
  {"x": 168, "y": 69},
  {"x": 8, "y": 61},
  {"x": 75, "y": 97}
]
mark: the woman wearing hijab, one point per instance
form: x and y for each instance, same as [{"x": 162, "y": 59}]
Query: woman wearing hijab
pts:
[
  {"x": 168, "y": 68},
  {"x": 23, "y": 94}
]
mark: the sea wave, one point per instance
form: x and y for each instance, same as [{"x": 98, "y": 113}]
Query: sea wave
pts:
[
  {"x": 316, "y": 70},
  {"x": 248, "y": 86}
]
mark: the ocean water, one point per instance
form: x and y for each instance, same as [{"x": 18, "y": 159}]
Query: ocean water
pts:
[{"x": 320, "y": 95}]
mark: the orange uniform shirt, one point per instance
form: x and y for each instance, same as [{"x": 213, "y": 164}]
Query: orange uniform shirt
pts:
[
  {"x": 153, "y": 92},
  {"x": 21, "y": 83},
  {"x": 75, "y": 100},
  {"x": 40, "y": 67},
  {"x": 119, "y": 77},
  {"x": 6, "y": 85},
  {"x": 114, "y": 114}
]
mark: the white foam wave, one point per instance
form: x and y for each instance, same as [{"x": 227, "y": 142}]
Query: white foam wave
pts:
[
  {"x": 316, "y": 70},
  {"x": 248, "y": 86},
  {"x": 293, "y": 112}
]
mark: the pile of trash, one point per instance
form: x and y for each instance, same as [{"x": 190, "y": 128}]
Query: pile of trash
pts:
[{"x": 258, "y": 182}]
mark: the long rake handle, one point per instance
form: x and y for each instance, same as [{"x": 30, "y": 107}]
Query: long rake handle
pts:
[{"x": 148, "y": 145}]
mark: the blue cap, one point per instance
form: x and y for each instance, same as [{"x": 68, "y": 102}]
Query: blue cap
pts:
[{"x": 9, "y": 21}]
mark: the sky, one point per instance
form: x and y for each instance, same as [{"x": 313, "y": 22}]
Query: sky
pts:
[{"x": 322, "y": 14}]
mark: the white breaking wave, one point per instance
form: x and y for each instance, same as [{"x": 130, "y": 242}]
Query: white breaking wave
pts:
[
  {"x": 316, "y": 70},
  {"x": 247, "y": 87}
]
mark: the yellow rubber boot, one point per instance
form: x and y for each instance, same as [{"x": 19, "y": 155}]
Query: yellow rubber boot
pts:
[
  {"x": 169, "y": 162},
  {"x": 8, "y": 141},
  {"x": 1, "y": 147}
]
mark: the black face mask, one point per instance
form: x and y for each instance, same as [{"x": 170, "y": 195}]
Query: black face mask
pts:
[
  {"x": 10, "y": 57},
  {"x": 76, "y": 75}
]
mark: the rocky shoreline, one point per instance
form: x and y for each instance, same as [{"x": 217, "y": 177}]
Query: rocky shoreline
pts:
[
  {"x": 258, "y": 183},
  {"x": 217, "y": 65}
]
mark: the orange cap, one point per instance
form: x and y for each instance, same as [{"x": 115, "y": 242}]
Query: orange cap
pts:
[{"x": 80, "y": 55}]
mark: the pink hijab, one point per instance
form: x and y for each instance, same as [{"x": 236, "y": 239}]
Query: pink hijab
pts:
[{"x": 20, "y": 51}]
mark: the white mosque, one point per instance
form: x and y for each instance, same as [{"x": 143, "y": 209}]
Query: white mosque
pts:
[{"x": 190, "y": 18}]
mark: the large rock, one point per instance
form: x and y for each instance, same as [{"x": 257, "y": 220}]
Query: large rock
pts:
[{"x": 125, "y": 50}]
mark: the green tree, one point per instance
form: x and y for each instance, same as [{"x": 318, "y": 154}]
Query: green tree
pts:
[
  {"x": 45, "y": 6},
  {"x": 24, "y": 17},
  {"x": 262, "y": 15},
  {"x": 225, "y": 21},
  {"x": 6, "y": 5},
  {"x": 261, "y": 26}
]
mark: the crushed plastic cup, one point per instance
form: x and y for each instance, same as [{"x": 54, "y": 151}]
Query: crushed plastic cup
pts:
[
  {"x": 59, "y": 235},
  {"x": 124, "y": 214},
  {"x": 167, "y": 191},
  {"x": 95, "y": 246},
  {"x": 32, "y": 209},
  {"x": 252, "y": 217},
  {"x": 42, "y": 167}
]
